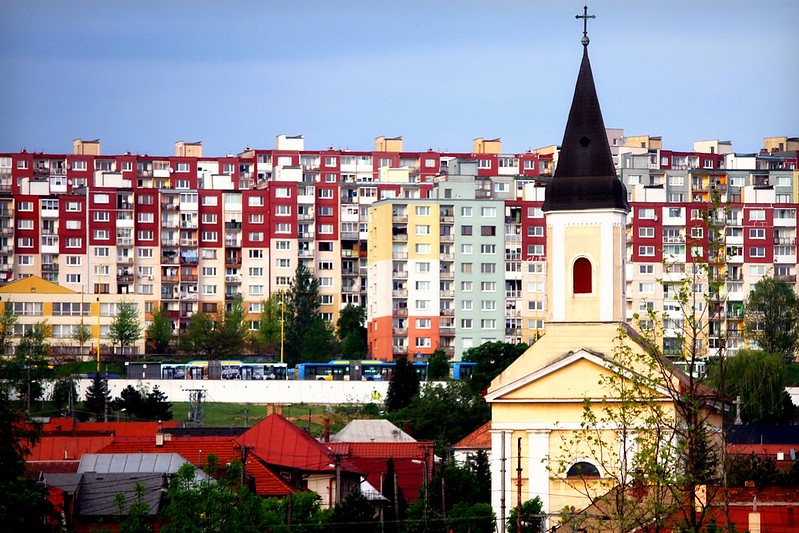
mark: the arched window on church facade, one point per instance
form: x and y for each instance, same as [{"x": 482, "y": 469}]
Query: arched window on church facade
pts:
[
  {"x": 582, "y": 276},
  {"x": 583, "y": 469}
]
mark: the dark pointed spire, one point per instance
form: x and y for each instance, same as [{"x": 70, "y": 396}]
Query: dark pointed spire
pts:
[{"x": 585, "y": 177}]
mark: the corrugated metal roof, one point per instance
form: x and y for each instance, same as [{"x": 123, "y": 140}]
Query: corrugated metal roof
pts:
[
  {"x": 102, "y": 463},
  {"x": 98, "y": 493}
]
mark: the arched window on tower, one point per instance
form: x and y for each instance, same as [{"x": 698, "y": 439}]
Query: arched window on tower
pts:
[{"x": 582, "y": 283}]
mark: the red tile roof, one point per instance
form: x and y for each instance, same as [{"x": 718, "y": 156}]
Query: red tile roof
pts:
[
  {"x": 478, "y": 439},
  {"x": 276, "y": 441},
  {"x": 197, "y": 450},
  {"x": 414, "y": 450},
  {"x": 125, "y": 429}
]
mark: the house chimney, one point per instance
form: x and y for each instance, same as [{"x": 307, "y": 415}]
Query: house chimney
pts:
[
  {"x": 270, "y": 409},
  {"x": 408, "y": 427},
  {"x": 279, "y": 409},
  {"x": 159, "y": 439},
  {"x": 326, "y": 435}
]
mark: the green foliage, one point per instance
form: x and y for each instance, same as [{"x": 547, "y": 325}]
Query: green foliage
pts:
[
  {"x": 23, "y": 505},
  {"x": 230, "y": 334},
  {"x": 266, "y": 339},
  {"x": 759, "y": 380},
  {"x": 7, "y": 322},
  {"x": 491, "y": 358},
  {"x": 455, "y": 484},
  {"x": 138, "y": 405},
  {"x": 135, "y": 518},
  {"x": 25, "y": 371},
  {"x": 302, "y": 311},
  {"x": 82, "y": 334},
  {"x": 320, "y": 343},
  {"x": 354, "y": 514},
  {"x": 159, "y": 333},
  {"x": 97, "y": 397},
  {"x": 771, "y": 318},
  {"x": 444, "y": 414},
  {"x": 65, "y": 393},
  {"x": 761, "y": 470},
  {"x": 531, "y": 523},
  {"x": 437, "y": 365},
  {"x": 471, "y": 518},
  {"x": 403, "y": 386},
  {"x": 199, "y": 336},
  {"x": 351, "y": 332},
  {"x": 125, "y": 329},
  {"x": 792, "y": 375}
]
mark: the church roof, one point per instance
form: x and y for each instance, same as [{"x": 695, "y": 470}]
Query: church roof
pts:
[{"x": 585, "y": 177}]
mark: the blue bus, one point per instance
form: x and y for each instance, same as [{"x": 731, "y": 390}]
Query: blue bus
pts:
[{"x": 461, "y": 370}]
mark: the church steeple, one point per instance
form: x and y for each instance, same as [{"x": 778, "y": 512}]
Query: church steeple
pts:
[
  {"x": 585, "y": 177},
  {"x": 586, "y": 209}
]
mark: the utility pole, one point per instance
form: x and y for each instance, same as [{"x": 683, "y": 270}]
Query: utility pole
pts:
[
  {"x": 503, "y": 458},
  {"x": 519, "y": 486},
  {"x": 244, "y": 448}
]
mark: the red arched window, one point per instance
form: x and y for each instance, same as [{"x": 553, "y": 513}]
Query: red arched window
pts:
[{"x": 582, "y": 276}]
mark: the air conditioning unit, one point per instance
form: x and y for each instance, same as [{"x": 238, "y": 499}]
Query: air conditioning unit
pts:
[{"x": 150, "y": 278}]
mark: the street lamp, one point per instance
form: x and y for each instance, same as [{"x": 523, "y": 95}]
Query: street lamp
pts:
[{"x": 98, "y": 334}]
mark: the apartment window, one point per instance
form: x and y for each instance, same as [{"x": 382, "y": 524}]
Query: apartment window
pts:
[
  {"x": 466, "y": 211},
  {"x": 209, "y": 200},
  {"x": 646, "y": 288},
  {"x": 210, "y": 236},
  {"x": 73, "y": 207},
  {"x": 488, "y": 231},
  {"x": 466, "y": 230},
  {"x": 423, "y": 323},
  {"x": 209, "y": 289},
  {"x": 466, "y": 305},
  {"x": 646, "y": 233},
  {"x": 488, "y": 268},
  {"x": 74, "y": 242},
  {"x": 488, "y": 248},
  {"x": 283, "y": 263},
  {"x": 423, "y": 342},
  {"x": 422, "y": 229},
  {"x": 326, "y": 193},
  {"x": 79, "y": 165},
  {"x": 535, "y": 231},
  {"x": 282, "y": 192},
  {"x": 255, "y": 307},
  {"x": 646, "y": 214},
  {"x": 757, "y": 214},
  {"x": 326, "y": 211},
  {"x": 282, "y": 281},
  {"x": 145, "y": 199},
  {"x": 209, "y": 218},
  {"x": 488, "y": 286},
  {"x": 422, "y": 267},
  {"x": 466, "y": 268},
  {"x": 208, "y": 271},
  {"x": 488, "y": 323},
  {"x": 325, "y": 229},
  {"x": 535, "y": 249},
  {"x": 24, "y": 224},
  {"x": 534, "y": 212},
  {"x": 256, "y": 254},
  {"x": 181, "y": 167},
  {"x": 101, "y": 199},
  {"x": 677, "y": 181},
  {"x": 488, "y": 211},
  {"x": 697, "y": 232},
  {"x": 646, "y": 251},
  {"x": 144, "y": 253},
  {"x": 256, "y": 290},
  {"x": 488, "y": 305},
  {"x": 73, "y": 278},
  {"x": 101, "y": 216},
  {"x": 145, "y": 235},
  {"x": 757, "y": 233},
  {"x": 757, "y": 270},
  {"x": 675, "y": 212},
  {"x": 422, "y": 248},
  {"x": 483, "y": 163},
  {"x": 25, "y": 260},
  {"x": 646, "y": 269},
  {"x": 466, "y": 286},
  {"x": 757, "y": 251},
  {"x": 145, "y": 218},
  {"x": 466, "y": 323},
  {"x": 258, "y": 236},
  {"x": 466, "y": 248},
  {"x": 422, "y": 210},
  {"x": 326, "y": 299},
  {"x": 325, "y": 282}
]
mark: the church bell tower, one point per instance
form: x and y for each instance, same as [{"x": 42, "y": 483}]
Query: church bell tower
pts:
[{"x": 586, "y": 209}]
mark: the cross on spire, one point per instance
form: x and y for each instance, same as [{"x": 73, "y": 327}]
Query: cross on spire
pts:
[{"x": 585, "y": 16}]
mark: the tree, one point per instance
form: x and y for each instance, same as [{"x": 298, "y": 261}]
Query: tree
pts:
[
  {"x": 28, "y": 367},
  {"x": 443, "y": 413},
  {"x": 198, "y": 338},
  {"x": 353, "y": 514},
  {"x": 351, "y": 332},
  {"x": 771, "y": 318},
  {"x": 471, "y": 518},
  {"x": 402, "y": 387},
  {"x": 131, "y": 402},
  {"x": 491, "y": 358},
  {"x": 159, "y": 333},
  {"x": 97, "y": 397},
  {"x": 759, "y": 380},
  {"x": 158, "y": 406},
  {"x": 134, "y": 519},
  {"x": 23, "y": 506},
  {"x": 82, "y": 334},
  {"x": 8, "y": 320},
  {"x": 230, "y": 334},
  {"x": 125, "y": 328},
  {"x": 65, "y": 394},
  {"x": 302, "y": 310},
  {"x": 437, "y": 365},
  {"x": 320, "y": 342},
  {"x": 267, "y": 338},
  {"x": 531, "y": 517}
]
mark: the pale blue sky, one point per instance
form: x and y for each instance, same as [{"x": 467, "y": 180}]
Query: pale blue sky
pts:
[{"x": 140, "y": 75}]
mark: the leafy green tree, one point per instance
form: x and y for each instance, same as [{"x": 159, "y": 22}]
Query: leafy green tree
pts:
[
  {"x": 759, "y": 380},
  {"x": 24, "y": 505},
  {"x": 444, "y": 414},
  {"x": 771, "y": 318},
  {"x": 134, "y": 518},
  {"x": 8, "y": 320},
  {"x": 199, "y": 336},
  {"x": 491, "y": 358},
  {"x": 28, "y": 367},
  {"x": 65, "y": 394},
  {"x": 230, "y": 334},
  {"x": 437, "y": 365},
  {"x": 159, "y": 333},
  {"x": 266, "y": 339},
  {"x": 125, "y": 328},
  {"x": 532, "y": 519},
  {"x": 471, "y": 518},
  {"x": 351, "y": 332},
  {"x": 320, "y": 342},
  {"x": 82, "y": 334},
  {"x": 97, "y": 398},
  {"x": 354, "y": 514},
  {"x": 302, "y": 310},
  {"x": 402, "y": 387},
  {"x": 131, "y": 402}
]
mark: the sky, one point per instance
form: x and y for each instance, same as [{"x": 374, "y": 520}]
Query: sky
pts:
[{"x": 140, "y": 75}]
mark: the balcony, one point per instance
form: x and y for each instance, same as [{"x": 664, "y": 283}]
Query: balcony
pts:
[
  {"x": 399, "y": 218},
  {"x": 188, "y": 224},
  {"x": 349, "y": 235},
  {"x": 398, "y": 312},
  {"x": 233, "y": 243},
  {"x": 50, "y": 267},
  {"x": 399, "y": 293},
  {"x": 400, "y": 237},
  {"x": 305, "y": 253},
  {"x": 232, "y": 261},
  {"x": 399, "y": 331},
  {"x": 399, "y": 255},
  {"x": 169, "y": 260},
  {"x": 188, "y": 259},
  {"x": 169, "y": 242},
  {"x": 447, "y": 219},
  {"x": 446, "y": 238},
  {"x": 233, "y": 225},
  {"x": 788, "y": 278},
  {"x": 447, "y": 312},
  {"x": 446, "y": 294},
  {"x": 169, "y": 279},
  {"x": 124, "y": 241},
  {"x": 398, "y": 350},
  {"x": 188, "y": 278},
  {"x": 233, "y": 278},
  {"x": 231, "y": 295},
  {"x": 188, "y": 242},
  {"x": 124, "y": 278},
  {"x": 399, "y": 274}
]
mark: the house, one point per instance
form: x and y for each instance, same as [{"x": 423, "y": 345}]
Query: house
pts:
[{"x": 478, "y": 440}]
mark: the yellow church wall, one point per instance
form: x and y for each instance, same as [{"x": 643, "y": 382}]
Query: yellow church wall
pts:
[
  {"x": 584, "y": 241},
  {"x": 577, "y": 380}
]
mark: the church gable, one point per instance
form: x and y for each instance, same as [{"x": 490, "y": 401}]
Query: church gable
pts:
[{"x": 34, "y": 284}]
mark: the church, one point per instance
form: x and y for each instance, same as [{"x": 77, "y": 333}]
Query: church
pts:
[{"x": 540, "y": 443}]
